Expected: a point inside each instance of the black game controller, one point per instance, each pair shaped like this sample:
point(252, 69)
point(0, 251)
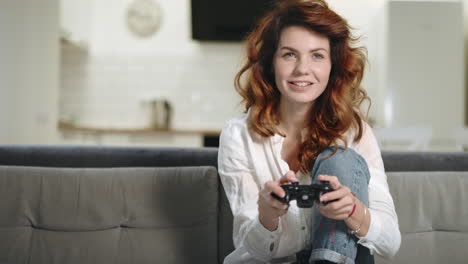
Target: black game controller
point(304, 194)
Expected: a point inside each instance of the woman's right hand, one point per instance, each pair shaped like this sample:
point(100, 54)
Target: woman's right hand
point(269, 208)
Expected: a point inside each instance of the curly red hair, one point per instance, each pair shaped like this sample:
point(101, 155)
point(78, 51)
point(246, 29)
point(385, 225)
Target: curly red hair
point(336, 110)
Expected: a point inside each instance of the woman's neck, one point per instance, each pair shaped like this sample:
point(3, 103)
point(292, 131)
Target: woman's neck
point(293, 118)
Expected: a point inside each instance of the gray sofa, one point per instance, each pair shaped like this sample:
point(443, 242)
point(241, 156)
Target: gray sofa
point(90, 204)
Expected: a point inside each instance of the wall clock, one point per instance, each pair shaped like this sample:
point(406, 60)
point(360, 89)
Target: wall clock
point(144, 17)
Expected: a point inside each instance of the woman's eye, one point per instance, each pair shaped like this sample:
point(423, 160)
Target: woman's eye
point(317, 56)
point(288, 54)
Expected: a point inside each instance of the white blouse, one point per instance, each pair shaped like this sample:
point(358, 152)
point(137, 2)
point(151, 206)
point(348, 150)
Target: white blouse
point(246, 161)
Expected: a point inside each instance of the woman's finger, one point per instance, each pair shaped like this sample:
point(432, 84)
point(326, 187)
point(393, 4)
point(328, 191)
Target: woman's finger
point(273, 187)
point(333, 180)
point(290, 176)
point(335, 195)
point(270, 188)
point(338, 205)
point(339, 209)
point(333, 214)
point(275, 203)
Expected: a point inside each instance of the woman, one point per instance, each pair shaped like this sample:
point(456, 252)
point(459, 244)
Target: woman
point(302, 123)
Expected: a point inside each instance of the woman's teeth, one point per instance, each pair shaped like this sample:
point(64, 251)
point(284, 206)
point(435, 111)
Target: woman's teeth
point(301, 83)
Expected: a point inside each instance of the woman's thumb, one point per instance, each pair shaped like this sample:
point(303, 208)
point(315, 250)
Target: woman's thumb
point(290, 176)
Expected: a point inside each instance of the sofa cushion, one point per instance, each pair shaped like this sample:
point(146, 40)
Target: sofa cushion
point(108, 215)
point(432, 212)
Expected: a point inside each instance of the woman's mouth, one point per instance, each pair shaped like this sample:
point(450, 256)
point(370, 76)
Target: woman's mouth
point(300, 84)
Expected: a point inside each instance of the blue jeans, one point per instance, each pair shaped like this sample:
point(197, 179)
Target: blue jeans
point(331, 238)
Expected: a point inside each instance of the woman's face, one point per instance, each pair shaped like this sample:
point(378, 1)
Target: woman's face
point(302, 65)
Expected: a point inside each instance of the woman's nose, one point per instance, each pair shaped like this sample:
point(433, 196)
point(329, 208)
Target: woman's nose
point(302, 67)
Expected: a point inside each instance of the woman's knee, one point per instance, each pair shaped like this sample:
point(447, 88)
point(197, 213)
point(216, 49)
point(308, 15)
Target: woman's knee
point(344, 162)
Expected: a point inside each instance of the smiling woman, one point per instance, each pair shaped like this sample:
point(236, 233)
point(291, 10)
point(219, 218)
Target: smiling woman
point(303, 124)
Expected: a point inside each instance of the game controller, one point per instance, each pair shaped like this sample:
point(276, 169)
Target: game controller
point(305, 195)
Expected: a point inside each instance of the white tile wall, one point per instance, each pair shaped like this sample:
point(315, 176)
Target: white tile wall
point(113, 90)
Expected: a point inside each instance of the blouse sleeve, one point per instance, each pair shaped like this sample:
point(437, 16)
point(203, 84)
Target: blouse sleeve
point(236, 172)
point(384, 236)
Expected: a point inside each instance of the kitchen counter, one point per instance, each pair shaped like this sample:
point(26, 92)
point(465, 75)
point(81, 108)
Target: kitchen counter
point(81, 134)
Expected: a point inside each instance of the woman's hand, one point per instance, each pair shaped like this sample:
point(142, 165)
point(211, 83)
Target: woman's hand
point(341, 200)
point(269, 208)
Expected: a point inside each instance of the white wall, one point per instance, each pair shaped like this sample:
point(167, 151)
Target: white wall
point(425, 82)
point(111, 36)
point(28, 71)
point(108, 87)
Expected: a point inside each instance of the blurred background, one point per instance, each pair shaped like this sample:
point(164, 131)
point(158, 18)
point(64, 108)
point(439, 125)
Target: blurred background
point(160, 72)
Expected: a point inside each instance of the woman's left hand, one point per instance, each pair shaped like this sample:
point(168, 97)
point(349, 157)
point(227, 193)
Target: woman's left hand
point(341, 200)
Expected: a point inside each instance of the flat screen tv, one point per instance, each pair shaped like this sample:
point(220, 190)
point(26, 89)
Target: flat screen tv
point(225, 20)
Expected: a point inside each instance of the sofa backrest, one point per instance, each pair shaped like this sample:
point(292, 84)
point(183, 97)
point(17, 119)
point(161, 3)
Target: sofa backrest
point(433, 216)
point(117, 157)
point(108, 215)
point(101, 157)
point(429, 191)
